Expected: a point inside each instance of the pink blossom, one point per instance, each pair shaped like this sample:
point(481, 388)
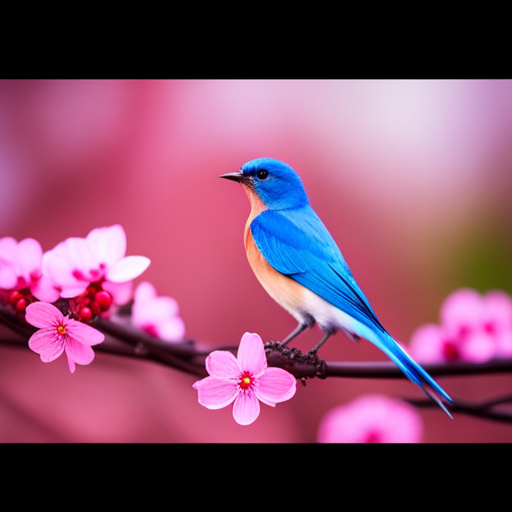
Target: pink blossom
point(20, 263)
point(371, 419)
point(73, 264)
point(58, 333)
point(157, 315)
point(244, 380)
point(473, 327)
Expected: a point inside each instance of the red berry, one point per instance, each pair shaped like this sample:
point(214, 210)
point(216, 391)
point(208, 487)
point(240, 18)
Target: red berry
point(104, 300)
point(21, 304)
point(85, 315)
point(14, 297)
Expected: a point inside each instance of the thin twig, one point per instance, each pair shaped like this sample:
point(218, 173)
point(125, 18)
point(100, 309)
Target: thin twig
point(480, 410)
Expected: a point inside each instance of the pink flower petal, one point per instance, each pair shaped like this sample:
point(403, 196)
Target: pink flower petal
point(8, 246)
point(426, 344)
point(108, 244)
point(172, 330)
point(156, 309)
point(246, 408)
point(479, 347)
point(144, 293)
point(121, 292)
point(462, 308)
point(251, 354)
point(78, 352)
point(156, 314)
point(498, 308)
point(83, 333)
point(8, 275)
point(79, 259)
point(163, 308)
point(42, 314)
point(71, 266)
point(223, 365)
point(68, 292)
point(30, 257)
point(128, 268)
point(371, 418)
point(275, 385)
point(214, 393)
point(504, 344)
point(71, 364)
point(47, 344)
point(45, 289)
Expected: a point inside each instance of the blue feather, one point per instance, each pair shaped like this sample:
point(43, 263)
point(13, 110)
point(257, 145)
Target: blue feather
point(297, 244)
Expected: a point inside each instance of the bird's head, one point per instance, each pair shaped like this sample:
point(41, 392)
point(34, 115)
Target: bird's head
point(275, 183)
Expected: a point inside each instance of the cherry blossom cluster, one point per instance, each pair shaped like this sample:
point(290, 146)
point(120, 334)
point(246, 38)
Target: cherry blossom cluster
point(474, 327)
point(62, 290)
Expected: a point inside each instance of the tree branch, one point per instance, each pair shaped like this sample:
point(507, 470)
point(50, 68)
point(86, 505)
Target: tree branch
point(480, 410)
point(124, 339)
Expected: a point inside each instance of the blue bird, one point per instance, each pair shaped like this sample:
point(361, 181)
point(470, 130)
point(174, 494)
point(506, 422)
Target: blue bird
point(300, 266)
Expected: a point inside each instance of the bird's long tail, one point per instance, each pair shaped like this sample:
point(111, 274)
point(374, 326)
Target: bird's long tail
point(414, 372)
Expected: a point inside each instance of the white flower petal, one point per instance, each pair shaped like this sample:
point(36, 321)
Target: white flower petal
point(128, 268)
point(108, 244)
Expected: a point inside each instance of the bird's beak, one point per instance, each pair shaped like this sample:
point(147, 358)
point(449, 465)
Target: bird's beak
point(234, 176)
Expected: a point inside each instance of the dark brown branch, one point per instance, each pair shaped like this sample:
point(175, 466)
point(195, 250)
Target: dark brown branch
point(481, 410)
point(124, 339)
point(383, 370)
point(304, 365)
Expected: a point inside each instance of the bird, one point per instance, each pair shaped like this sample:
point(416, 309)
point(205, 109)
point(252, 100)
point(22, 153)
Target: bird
point(301, 267)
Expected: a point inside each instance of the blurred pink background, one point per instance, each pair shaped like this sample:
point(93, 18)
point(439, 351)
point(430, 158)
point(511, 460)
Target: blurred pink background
point(413, 179)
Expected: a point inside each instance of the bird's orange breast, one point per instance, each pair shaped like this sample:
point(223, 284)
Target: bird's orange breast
point(285, 291)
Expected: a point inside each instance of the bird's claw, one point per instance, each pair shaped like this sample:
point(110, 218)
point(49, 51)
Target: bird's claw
point(293, 356)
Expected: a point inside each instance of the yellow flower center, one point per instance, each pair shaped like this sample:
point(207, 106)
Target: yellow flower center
point(61, 330)
point(245, 381)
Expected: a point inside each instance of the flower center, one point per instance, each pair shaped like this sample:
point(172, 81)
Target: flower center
point(450, 351)
point(245, 381)
point(91, 303)
point(61, 330)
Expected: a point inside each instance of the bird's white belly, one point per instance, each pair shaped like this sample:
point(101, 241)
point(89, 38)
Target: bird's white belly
point(325, 314)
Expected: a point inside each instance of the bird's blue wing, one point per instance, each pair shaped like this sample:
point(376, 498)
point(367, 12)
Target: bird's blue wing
point(297, 244)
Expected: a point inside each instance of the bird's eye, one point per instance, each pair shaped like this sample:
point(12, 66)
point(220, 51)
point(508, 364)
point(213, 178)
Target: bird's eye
point(262, 174)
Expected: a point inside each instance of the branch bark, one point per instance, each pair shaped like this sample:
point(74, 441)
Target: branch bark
point(124, 339)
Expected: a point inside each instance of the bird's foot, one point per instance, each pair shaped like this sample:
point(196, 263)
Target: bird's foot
point(293, 360)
